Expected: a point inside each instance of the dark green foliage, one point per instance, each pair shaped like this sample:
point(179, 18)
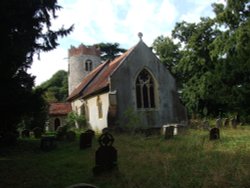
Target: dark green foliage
point(212, 65)
point(56, 88)
point(25, 31)
point(109, 51)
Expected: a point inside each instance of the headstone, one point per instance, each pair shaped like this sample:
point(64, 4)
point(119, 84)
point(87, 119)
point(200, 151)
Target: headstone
point(48, 143)
point(226, 122)
point(206, 125)
point(214, 134)
point(169, 132)
point(25, 133)
point(106, 155)
point(37, 132)
point(234, 123)
point(82, 185)
point(218, 123)
point(86, 139)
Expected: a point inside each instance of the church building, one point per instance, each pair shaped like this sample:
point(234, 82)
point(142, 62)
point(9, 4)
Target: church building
point(134, 83)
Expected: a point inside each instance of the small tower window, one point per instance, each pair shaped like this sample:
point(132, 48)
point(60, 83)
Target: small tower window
point(88, 65)
point(99, 107)
point(145, 90)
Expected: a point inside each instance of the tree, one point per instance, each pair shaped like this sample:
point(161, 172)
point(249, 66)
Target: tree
point(56, 88)
point(232, 48)
point(109, 51)
point(25, 31)
point(169, 54)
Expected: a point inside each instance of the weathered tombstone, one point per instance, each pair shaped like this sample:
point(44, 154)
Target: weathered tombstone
point(86, 139)
point(226, 122)
point(218, 123)
point(82, 185)
point(214, 134)
point(48, 143)
point(37, 132)
point(234, 123)
point(106, 155)
point(169, 132)
point(25, 133)
point(206, 125)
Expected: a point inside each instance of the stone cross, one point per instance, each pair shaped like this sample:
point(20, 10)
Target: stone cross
point(106, 155)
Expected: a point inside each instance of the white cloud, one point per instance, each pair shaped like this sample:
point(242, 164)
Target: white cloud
point(49, 64)
point(112, 21)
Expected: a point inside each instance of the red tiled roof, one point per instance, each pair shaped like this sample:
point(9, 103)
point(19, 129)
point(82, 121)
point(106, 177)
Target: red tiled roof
point(98, 79)
point(59, 108)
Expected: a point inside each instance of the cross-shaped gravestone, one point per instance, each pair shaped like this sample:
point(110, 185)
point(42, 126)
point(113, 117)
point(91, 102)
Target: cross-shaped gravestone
point(214, 134)
point(106, 155)
point(86, 139)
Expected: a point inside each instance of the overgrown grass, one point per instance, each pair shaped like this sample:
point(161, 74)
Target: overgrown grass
point(189, 160)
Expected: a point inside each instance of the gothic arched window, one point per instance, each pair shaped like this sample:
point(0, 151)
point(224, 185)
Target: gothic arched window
point(99, 107)
point(88, 65)
point(145, 90)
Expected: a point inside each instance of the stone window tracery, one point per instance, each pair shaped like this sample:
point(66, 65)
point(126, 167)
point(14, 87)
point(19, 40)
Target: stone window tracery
point(145, 90)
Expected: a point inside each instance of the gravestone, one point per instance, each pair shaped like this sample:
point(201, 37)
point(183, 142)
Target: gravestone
point(37, 132)
point(214, 134)
point(218, 123)
point(106, 155)
point(226, 122)
point(206, 125)
point(169, 132)
point(86, 139)
point(234, 123)
point(25, 133)
point(48, 143)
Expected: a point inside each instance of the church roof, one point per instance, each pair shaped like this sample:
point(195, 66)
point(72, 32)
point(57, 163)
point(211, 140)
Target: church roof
point(59, 108)
point(98, 79)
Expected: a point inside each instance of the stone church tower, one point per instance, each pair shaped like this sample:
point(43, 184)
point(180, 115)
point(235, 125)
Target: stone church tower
point(82, 60)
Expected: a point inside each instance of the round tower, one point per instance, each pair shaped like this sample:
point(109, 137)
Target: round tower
point(82, 60)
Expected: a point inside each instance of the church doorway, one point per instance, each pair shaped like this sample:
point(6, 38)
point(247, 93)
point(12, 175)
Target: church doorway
point(57, 123)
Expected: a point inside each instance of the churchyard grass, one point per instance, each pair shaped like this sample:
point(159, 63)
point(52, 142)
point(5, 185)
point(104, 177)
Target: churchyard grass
point(189, 160)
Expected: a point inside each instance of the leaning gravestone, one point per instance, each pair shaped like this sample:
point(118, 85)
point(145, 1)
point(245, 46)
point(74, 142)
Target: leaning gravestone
point(86, 139)
point(106, 155)
point(218, 123)
point(214, 134)
point(169, 132)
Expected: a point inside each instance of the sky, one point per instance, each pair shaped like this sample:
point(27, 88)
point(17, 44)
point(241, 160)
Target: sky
point(112, 21)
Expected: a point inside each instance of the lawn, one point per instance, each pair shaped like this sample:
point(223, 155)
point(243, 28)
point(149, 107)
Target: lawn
point(188, 160)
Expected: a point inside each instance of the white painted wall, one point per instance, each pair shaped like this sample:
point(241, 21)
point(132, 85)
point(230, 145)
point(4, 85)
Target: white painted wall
point(95, 122)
